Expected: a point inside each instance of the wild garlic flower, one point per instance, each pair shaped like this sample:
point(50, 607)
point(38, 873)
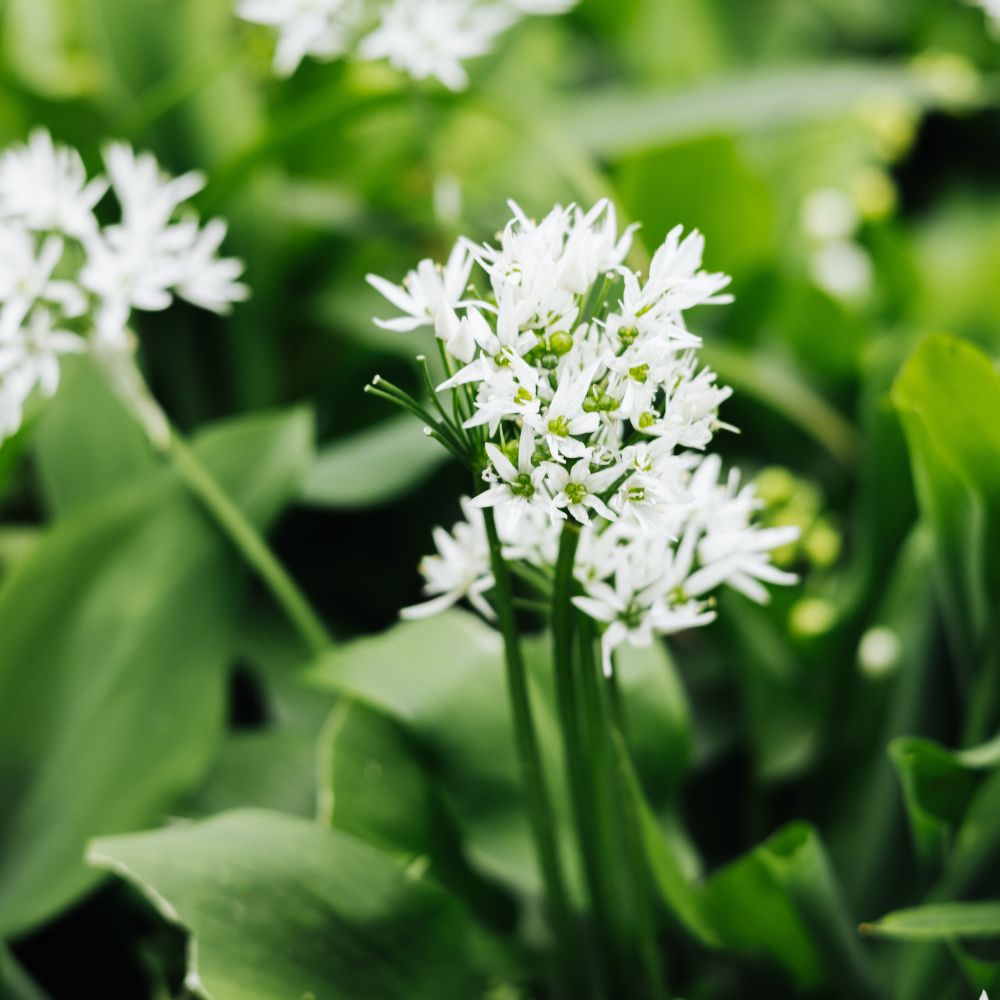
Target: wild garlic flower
point(423, 38)
point(69, 283)
point(582, 401)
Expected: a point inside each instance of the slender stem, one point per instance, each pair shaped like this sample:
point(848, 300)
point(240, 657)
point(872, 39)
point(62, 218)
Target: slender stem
point(539, 803)
point(635, 852)
point(575, 749)
point(250, 544)
point(125, 378)
point(606, 812)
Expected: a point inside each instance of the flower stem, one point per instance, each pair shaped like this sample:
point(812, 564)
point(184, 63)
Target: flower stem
point(579, 763)
point(636, 863)
point(249, 543)
point(539, 803)
point(127, 381)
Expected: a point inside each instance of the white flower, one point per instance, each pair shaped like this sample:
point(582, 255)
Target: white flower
point(68, 284)
point(732, 550)
point(207, 280)
point(579, 489)
point(320, 28)
point(461, 568)
point(564, 419)
point(45, 186)
point(596, 375)
point(424, 38)
point(30, 361)
point(520, 488)
point(426, 291)
point(432, 38)
point(27, 264)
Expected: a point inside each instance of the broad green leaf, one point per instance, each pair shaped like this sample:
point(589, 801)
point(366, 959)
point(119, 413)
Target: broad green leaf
point(782, 899)
point(939, 786)
point(374, 466)
point(376, 785)
point(657, 718)
point(271, 768)
point(87, 444)
point(677, 889)
point(898, 695)
point(16, 541)
point(272, 765)
point(114, 634)
point(279, 907)
point(627, 120)
point(939, 922)
point(973, 857)
point(442, 680)
point(948, 395)
point(712, 189)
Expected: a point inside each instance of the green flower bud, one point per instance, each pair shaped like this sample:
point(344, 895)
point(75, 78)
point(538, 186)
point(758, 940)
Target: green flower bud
point(561, 342)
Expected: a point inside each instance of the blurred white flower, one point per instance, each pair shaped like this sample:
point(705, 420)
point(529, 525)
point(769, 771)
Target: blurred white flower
point(46, 187)
point(593, 373)
point(829, 214)
point(460, 569)
point(423, 38)
point(320, 28)
point(433, 38)
point(426, 292)
point(67, 283)
point(29, 360)
point(843, 269)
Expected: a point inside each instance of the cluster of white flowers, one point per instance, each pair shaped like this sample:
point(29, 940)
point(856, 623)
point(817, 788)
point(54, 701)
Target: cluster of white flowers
point(424, 38)
point(582, 398)
point(69, 283)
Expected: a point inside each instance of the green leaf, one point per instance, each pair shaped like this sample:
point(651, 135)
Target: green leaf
point(948, 395)
point(626, 120)
point(939, 922)
point(87, 444)
point(712, 189)
point(782, 899)
point(374, 466)
point(114, 634)
point(442, 680)
point(377, 785)
point(938, 787)
point(271, 769)
point(279, 907)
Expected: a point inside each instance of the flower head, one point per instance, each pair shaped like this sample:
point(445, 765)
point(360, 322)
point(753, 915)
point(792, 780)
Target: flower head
point(581, 395)
point(422, 38)
point(67, 283)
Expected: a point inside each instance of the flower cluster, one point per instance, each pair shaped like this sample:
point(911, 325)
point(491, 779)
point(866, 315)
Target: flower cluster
point(424, 38)
point(69, 284)
point(583, 402)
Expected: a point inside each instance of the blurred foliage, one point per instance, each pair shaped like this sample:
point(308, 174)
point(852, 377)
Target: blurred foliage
point(802, 768)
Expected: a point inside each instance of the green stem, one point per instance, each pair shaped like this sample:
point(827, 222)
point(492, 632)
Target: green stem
point(250, 544)
point(579, 766)
point(540, 811)
point(635, 852)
